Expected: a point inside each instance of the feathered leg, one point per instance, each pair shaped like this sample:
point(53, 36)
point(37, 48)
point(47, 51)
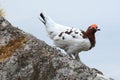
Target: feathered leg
point(70, 54)
point(76, 56)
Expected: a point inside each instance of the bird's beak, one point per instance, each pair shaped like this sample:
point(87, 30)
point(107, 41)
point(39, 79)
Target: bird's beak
point(98, 29)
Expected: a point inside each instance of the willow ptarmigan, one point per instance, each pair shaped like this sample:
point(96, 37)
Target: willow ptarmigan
point(70, 39)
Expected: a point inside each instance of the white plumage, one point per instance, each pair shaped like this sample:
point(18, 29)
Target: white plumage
point(70, 39)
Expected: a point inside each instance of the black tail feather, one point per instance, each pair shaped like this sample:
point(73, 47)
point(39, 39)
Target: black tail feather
point(43, 18)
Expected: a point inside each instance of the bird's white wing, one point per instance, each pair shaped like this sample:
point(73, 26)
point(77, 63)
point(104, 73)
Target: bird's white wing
point(68, 36)
point(72, 40)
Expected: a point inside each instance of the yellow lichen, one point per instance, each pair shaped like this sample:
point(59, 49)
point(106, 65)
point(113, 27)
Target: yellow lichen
point(6, 51)
point(2, 13)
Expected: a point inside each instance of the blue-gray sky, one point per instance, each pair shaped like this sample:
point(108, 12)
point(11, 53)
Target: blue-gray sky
point(75, 13)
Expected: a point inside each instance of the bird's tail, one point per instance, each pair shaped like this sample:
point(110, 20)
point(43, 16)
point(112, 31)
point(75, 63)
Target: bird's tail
point(42, 19)
point(45, 19)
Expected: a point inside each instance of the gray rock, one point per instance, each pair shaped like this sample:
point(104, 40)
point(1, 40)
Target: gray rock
point(24, 57)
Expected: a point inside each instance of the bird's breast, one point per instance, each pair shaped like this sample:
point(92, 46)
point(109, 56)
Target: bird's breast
point(76, 45)
point(82, 45)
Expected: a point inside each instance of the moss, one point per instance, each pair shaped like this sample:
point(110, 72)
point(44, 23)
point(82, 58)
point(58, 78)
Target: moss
point(7, 50)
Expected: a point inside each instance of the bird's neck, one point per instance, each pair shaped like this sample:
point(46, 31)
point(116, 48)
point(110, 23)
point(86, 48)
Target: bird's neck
point(91, 36)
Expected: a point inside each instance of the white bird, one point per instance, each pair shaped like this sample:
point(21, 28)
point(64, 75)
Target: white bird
point(70, 39)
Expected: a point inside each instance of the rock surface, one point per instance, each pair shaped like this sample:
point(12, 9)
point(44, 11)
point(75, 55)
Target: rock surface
point(24, 57)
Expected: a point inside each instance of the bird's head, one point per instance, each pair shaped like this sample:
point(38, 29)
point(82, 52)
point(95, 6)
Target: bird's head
point(93, 28)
